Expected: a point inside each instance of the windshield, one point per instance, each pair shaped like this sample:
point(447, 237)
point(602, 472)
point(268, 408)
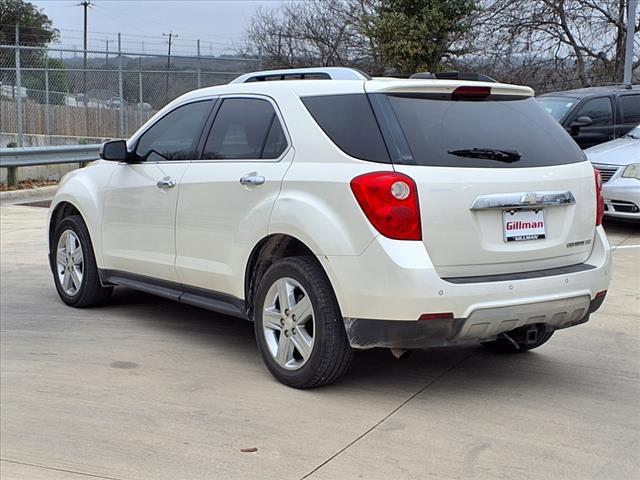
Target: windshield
point(557, 107)
point(489, 134)
point(634, 133)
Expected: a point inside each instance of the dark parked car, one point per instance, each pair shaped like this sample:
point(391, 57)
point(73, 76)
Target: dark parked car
point(595, 115)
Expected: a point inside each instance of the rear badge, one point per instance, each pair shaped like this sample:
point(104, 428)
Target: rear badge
point(578, 244)
point(519, 225)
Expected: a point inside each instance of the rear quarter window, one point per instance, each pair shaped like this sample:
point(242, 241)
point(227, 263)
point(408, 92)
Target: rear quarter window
point(433, 127)
point(349, 122)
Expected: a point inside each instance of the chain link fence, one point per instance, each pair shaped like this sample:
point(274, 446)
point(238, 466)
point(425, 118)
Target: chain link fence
point(54, 96)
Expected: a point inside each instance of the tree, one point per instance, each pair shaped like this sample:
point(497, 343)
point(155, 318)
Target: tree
point(565, 43)
point(316, 33)
point(36, 28)
point(548, 44)
point(34, 81)
point(415, 35)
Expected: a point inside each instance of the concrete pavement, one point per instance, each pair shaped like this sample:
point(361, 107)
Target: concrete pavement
point(149, 389)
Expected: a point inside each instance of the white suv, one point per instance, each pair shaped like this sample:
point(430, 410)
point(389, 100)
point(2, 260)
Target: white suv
point(341, 212)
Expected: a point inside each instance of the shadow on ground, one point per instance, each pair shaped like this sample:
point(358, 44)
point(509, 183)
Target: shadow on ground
point(375, 368)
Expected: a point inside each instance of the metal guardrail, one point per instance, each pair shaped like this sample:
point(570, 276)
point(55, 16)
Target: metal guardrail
point(29, 156)
point(12, 158)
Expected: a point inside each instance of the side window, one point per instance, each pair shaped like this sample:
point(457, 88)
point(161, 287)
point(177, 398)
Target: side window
point(630, 108)
point(245, 128)
point(599, 110)
point(175, 136)
point(349, 122)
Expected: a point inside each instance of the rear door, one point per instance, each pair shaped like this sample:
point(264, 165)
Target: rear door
point(497, 214)
point(628, 113)
point(227, 196)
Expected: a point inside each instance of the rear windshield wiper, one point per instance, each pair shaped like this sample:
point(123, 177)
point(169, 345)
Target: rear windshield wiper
point(508, 156)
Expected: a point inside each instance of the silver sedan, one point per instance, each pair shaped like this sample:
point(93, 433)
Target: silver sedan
point(619, 164)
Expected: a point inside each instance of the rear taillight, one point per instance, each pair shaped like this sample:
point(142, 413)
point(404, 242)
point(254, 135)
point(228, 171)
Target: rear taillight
point(390, 202)
point(599, 200)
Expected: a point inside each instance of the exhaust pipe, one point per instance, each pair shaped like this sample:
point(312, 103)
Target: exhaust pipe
point(400, 353)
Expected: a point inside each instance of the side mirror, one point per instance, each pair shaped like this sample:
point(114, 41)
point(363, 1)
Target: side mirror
point(583, 121)
point(114, 150)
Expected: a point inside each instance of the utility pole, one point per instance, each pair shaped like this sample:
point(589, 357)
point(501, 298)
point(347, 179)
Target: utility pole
point(85, 4)
point(171, 36)
point(628, 54)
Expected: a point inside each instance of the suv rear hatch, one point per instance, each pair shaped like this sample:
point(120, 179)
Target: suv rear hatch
point(502, 187)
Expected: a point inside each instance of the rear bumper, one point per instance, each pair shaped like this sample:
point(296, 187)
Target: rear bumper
point(384, 291)
point(482, 325)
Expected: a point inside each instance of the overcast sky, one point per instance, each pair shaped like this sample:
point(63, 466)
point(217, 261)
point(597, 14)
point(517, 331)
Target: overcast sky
point(219, 23)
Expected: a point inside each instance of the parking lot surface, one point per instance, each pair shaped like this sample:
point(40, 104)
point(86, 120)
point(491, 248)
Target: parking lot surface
point(149, 389)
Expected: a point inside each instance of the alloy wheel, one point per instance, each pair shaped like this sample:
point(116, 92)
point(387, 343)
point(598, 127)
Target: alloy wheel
point(69, 262)
point(288, 323)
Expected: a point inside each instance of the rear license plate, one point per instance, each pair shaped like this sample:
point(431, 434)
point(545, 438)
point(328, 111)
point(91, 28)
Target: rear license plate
point(518, 225)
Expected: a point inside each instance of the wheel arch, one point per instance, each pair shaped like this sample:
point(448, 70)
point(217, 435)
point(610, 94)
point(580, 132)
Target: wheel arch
point(61, 210)
point(268, 250)
point(83, 203)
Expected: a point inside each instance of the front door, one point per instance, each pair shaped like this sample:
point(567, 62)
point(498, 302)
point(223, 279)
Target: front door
point(226, 198)
point(602, 128)
point(138, 222)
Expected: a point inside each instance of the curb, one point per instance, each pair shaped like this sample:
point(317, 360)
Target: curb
point(27, 194)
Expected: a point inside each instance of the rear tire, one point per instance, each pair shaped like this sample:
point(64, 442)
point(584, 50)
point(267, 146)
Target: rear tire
point(517, 341)
point(73, 265)
point(302, 339)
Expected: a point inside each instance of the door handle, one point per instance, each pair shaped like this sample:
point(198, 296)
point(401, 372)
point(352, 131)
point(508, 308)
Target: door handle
point(166, 183)
point(252, 179)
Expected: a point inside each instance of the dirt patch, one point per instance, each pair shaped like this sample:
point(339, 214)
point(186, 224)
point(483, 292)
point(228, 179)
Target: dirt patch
point(27, 184)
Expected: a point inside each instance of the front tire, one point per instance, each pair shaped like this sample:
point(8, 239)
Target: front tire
point(298, 325)
point(73, 265)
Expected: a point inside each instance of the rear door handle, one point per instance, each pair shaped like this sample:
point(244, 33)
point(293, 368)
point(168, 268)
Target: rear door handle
point(166, 183)
point(252, 179)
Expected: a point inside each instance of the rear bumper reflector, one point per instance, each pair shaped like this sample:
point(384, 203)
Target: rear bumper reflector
point(436, 316)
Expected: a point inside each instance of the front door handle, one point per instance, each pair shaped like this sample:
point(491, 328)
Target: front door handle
point(252, 179)
point(166, 183)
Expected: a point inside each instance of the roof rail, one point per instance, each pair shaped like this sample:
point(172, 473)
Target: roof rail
point(321, 73)
point(471, 76)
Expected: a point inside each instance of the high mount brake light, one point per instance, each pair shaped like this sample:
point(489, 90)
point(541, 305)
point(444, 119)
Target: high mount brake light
point(599, 199)
point(478, 93)
point(389, 200)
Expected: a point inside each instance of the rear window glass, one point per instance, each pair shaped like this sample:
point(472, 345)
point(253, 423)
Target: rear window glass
point(433, 128)
point(349, 122)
